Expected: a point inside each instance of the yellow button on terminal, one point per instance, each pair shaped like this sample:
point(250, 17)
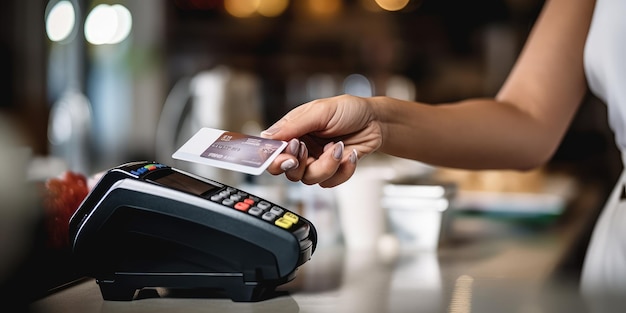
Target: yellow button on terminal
point(291, 217)
point(284, 223)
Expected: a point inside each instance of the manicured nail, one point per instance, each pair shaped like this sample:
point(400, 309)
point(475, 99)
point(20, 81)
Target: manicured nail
point(354, 156)
point(303, 150)
point(338, 152)
point(270, 131)
point(294, 146)
point(328, 145)
point(288, 165)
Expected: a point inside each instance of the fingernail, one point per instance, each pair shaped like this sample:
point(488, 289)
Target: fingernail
point(328, 145)
point(354, 156)
point(294, 145)
point(338, 152)
point(288, 165)
point(303, 150)
point(270, 131)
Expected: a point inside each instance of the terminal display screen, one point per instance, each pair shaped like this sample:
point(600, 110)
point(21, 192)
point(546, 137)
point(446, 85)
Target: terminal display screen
point(184, 183)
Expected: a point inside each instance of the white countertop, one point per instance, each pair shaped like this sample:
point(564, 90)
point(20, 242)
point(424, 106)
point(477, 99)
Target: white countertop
point(499, 276)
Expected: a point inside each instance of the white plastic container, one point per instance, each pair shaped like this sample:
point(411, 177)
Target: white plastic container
point(417, 213)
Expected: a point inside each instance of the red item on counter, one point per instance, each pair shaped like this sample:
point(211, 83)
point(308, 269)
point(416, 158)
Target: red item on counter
point(62, 196)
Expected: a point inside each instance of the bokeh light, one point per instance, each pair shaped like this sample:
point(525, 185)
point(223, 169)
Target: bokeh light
point(100, 24)
point(124, 24)
point(392, 5)
point(241, 8)
point(358, 85)
point(400, 87)
point(60, 21)
point(272, 8)
point(108, 24)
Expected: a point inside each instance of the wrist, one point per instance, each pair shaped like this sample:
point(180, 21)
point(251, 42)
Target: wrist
point(385, 112)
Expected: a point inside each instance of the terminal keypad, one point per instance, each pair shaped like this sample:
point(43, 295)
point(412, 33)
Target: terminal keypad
point(252, 205)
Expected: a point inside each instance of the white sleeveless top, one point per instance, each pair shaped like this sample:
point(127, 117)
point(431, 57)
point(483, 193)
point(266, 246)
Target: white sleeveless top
point(604, 270)
point(605, 63)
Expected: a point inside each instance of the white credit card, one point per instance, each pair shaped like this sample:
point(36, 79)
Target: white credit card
point(230, 150)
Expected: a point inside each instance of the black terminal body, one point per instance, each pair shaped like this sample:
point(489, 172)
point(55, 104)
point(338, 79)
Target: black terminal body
point(146, 224)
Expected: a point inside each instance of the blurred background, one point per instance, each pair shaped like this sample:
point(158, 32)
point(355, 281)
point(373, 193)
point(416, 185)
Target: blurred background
point(124, 72)
point(125, 68)
point(88, 85)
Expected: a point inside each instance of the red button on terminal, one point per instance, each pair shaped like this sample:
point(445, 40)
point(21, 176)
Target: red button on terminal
point(241, 206)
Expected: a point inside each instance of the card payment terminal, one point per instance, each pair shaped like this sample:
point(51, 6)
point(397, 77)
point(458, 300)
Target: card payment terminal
point(146, 225)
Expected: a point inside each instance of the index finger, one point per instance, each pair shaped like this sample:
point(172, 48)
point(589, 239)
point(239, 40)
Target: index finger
point(307, 118)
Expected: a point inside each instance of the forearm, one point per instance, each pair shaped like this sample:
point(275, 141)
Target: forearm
point(523, 128)
point(473, 134)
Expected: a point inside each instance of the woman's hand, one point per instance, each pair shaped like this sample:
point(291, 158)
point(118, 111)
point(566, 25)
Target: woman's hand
point(326, 138)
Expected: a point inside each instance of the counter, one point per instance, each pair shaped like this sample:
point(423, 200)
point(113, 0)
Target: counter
point(499, 274)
